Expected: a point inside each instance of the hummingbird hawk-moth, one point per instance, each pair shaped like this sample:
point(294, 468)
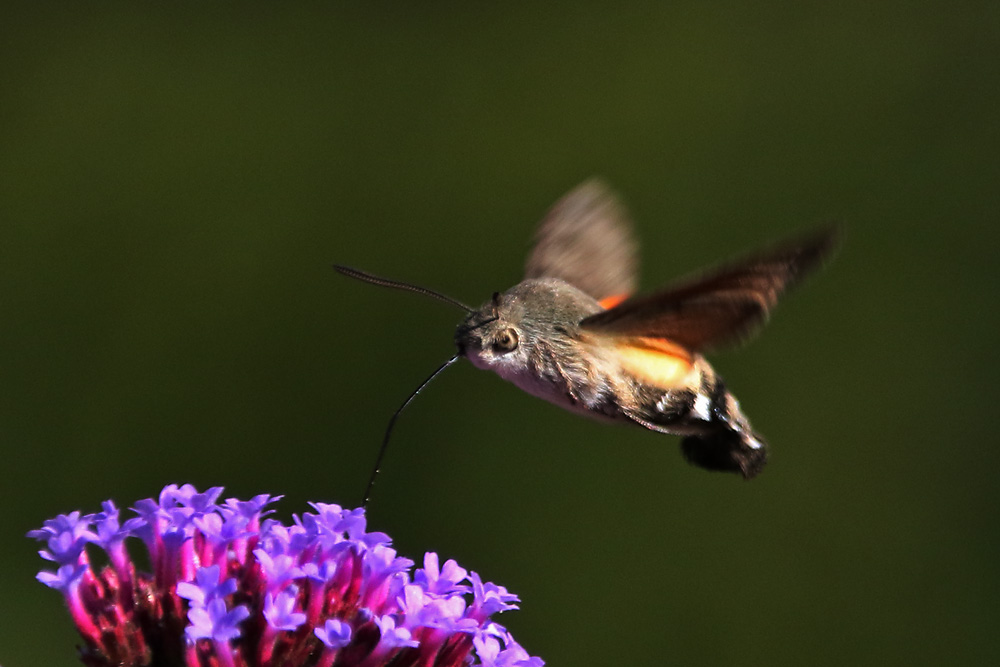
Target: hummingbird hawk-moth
point(572, 333)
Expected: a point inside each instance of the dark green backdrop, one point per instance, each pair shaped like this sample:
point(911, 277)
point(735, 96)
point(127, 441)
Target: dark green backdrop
point(175, 183)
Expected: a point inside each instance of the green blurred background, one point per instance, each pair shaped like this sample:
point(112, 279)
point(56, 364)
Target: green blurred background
point(175, 183)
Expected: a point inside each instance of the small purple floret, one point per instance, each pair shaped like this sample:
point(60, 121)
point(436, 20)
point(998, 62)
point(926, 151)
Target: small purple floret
point(491, 653)
point(64, 578)
point(206, 587)
point(66, 536)
point(280, 611)
point(215, 621)
point(393, 637)
point(334, 633)
point(442, 581)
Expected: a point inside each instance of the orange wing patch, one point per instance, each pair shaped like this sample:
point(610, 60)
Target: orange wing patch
point(656, 361)
point(609, 302)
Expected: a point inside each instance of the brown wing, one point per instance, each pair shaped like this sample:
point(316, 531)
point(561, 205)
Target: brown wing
point(724, 306)
point(586, 240)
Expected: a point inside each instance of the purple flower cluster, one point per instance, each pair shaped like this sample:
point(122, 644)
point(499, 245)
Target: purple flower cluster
point(230, 588)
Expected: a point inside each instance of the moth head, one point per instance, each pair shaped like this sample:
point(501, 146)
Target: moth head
point(494, 336)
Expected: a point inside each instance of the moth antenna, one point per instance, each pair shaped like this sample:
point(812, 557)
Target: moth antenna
point(395, 284)
point(392, 422)
point(488, 320)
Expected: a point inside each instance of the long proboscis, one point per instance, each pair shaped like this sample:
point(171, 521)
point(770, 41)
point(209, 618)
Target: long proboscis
point(392, 422)
point(395, 284)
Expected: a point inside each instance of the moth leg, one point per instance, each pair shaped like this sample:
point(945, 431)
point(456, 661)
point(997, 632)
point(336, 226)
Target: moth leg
point(545, 364)
point(676, 406)
point(645, 423)
point(567, 381)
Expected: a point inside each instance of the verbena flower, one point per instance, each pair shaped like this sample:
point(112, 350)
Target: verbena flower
point(230, 588)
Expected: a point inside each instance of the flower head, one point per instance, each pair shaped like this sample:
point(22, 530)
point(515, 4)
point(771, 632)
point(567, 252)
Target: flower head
point(228, 587)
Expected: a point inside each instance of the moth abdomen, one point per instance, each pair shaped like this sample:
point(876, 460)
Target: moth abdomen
point(716, 434)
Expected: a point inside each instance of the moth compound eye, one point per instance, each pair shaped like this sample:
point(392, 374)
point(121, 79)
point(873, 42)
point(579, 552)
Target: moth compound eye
point(506, 341)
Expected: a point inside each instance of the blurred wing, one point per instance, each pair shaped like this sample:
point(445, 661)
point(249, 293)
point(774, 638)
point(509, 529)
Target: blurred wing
point(586, 240)
point(722, 307)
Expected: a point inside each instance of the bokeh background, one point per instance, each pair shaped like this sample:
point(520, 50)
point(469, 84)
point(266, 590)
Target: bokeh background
point(175, 183)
